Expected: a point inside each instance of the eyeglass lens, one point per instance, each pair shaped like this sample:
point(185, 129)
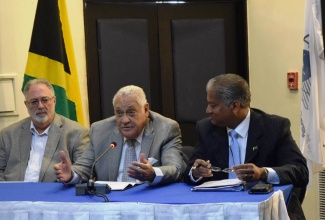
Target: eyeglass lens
point(44, 101)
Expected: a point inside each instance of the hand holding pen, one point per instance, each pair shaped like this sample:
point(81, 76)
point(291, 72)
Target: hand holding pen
point(207, 165)
point(201, 168)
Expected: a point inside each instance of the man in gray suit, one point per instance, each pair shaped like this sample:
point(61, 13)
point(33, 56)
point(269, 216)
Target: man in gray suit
point(158, 156)
point(266, 150)
point(30, 148)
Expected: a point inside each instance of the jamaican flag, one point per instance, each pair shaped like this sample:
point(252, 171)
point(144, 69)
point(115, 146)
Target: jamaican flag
point(51, 57)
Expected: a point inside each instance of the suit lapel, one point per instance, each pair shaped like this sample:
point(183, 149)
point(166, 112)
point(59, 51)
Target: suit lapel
point(255, 133)
point(114, 156)
point(221, 146)
point(51, 145)
point(25, 142)
point(147, 138)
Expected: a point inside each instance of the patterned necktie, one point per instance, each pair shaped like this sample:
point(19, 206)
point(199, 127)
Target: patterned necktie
point(129, 157)
point(234, 152)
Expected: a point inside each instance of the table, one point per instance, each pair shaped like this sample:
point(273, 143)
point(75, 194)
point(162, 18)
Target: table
point(20, 201)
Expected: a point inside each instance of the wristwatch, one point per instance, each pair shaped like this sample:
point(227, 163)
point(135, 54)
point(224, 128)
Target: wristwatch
point(266, 174)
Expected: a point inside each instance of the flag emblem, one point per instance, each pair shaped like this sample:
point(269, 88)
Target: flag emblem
point(51, 57)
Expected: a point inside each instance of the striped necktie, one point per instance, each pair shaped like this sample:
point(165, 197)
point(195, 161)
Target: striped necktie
point(129, 157)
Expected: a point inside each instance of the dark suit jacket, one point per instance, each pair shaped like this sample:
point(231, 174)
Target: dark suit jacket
point(15, 146)
point(269, 144)
point(161, 140)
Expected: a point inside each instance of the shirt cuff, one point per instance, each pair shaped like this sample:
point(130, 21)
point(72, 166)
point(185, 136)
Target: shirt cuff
point(75, 179)
point(193, 178)
point(159, 176)
point(272, 176)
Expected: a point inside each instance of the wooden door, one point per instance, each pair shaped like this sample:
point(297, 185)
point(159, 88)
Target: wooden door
point(170, 50)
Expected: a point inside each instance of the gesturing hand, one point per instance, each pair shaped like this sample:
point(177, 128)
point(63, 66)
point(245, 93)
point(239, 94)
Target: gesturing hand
point(142, 170)
point(63, 169)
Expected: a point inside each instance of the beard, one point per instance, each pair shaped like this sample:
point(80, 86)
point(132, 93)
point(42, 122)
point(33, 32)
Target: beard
point(40, 119)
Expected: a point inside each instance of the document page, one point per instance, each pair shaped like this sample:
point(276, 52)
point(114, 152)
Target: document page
point(221, 185)
point(118, 185)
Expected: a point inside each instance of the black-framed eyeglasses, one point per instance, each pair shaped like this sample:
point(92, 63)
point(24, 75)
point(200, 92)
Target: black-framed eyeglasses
point(35, 102)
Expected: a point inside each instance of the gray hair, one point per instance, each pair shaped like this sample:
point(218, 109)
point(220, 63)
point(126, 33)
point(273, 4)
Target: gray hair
point(133, 91)
point(38, 81)
point(230, 87)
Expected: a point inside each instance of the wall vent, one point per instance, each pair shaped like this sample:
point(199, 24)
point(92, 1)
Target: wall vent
point(322, 195)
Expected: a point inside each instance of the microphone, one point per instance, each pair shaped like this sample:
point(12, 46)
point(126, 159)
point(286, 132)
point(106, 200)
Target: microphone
point(90, 188)
point(91, 177)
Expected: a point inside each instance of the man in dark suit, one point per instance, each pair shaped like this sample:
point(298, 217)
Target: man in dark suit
point(158, 156)
point(266, 149)
point(30, 148)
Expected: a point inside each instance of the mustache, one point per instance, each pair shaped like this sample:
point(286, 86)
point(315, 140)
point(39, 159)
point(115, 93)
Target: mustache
point(40, 111)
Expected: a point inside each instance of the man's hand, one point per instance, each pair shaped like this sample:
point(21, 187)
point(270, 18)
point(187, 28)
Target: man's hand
point(249, 172)
point(142, 170)
point(201, 168)
point(63, 169)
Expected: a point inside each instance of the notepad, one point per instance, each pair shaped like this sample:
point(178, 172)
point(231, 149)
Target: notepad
point(221, 185)
point(118, 185)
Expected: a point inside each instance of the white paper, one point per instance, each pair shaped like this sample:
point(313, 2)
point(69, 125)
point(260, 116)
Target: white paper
point(118, 185)
point(221, 185)
point(152, 160)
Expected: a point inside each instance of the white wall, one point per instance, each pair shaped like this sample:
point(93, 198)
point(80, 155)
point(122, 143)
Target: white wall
point(276, 31)
point(275, 47)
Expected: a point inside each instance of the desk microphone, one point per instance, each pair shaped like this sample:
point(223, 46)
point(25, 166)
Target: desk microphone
point(90, 188)
point(91, 178)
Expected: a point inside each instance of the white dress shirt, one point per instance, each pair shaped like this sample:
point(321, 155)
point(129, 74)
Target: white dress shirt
point(36, 154)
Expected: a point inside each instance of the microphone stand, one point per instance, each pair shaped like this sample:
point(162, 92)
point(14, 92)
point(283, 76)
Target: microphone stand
point(92, 188)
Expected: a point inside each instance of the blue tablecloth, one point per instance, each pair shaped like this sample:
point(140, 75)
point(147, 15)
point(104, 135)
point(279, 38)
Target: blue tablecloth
point(43, 201)
point(177, 193)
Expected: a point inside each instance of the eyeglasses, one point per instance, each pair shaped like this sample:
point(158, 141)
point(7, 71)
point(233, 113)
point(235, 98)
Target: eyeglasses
point(35, 102)
point(218, 169)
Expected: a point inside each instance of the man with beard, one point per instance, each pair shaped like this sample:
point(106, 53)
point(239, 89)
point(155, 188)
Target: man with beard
point(30, 148)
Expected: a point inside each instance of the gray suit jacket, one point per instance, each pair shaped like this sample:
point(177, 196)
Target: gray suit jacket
point(15, 146)
point(161, 140)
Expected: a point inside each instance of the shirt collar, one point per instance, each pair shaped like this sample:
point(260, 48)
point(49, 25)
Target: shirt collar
point(242, 128)
point(35, 132)
point(139, 138)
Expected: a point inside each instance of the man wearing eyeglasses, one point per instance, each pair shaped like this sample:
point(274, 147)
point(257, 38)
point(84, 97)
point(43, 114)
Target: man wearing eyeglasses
point(30, 148)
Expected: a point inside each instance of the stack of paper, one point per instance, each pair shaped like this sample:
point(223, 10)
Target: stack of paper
point(221, 185)
point(118, 185)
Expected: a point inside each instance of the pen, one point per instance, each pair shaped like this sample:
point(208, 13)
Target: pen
point(196, 167)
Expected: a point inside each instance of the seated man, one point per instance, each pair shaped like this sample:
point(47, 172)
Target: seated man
point(262, 149)
point(152, 141)
point(30, 148)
